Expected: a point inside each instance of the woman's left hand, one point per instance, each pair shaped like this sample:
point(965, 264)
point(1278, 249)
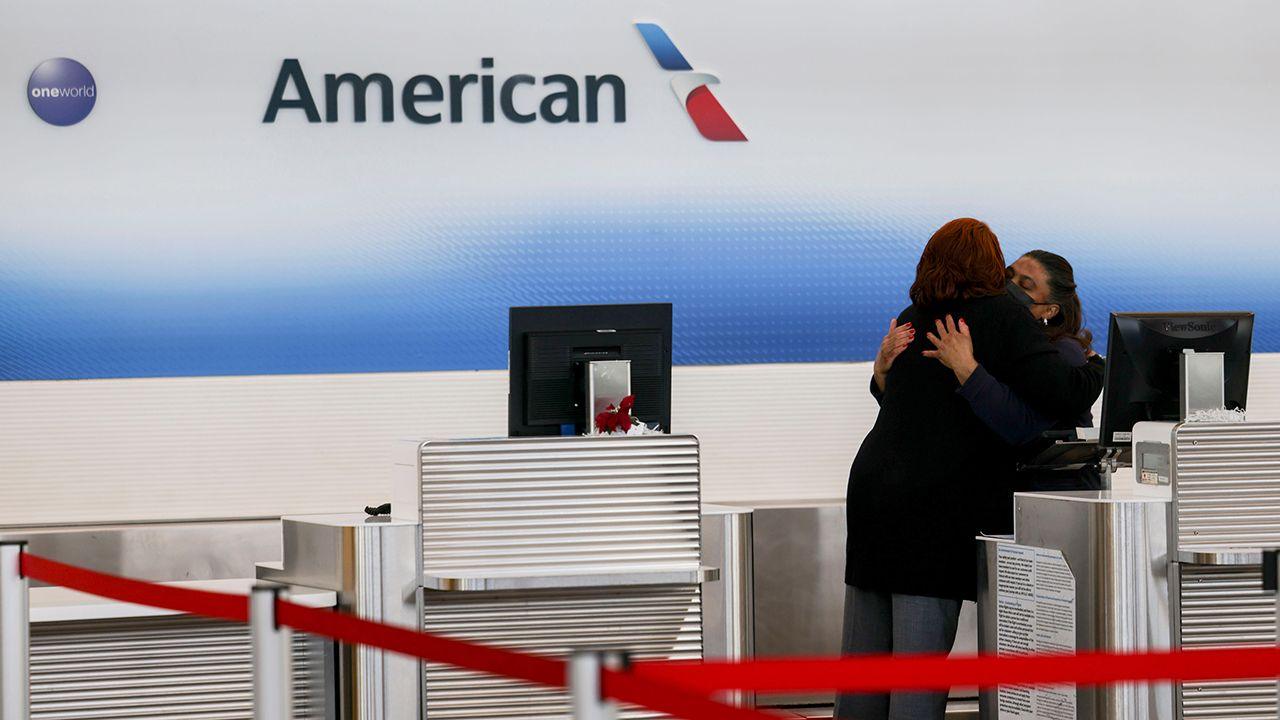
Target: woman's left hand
point(954, 348)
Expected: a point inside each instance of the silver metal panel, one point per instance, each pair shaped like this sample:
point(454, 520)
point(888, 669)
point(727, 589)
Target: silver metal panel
point(1220, 556)
point(1226, 485)
point(604, 577)
point(798, 559)
point(728, 607)
point(159, 552)
point(1219, 607)
point(165, 668)
point(597, 514)
point(799, 579)
point(1226, 492)
point(374, 566)
point(799, 586)
point(1117, 548)
point(650, 623)
point(560, 505)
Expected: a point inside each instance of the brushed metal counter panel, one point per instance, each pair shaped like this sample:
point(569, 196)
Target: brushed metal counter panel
point(1226, 485)
point(584, 511)
point(1226, 491)
point(373, 566)
point(170, 668)
point(655, 623)
point(1221, 606)
point(159, 552)
point(799, 557)
point(1117, 549)
point(728, 608)
point(560, 505)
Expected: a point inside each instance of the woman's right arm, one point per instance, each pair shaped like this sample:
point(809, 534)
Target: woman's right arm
point(995, 404)
point(1000, 409)
point(1036, 372)
point(1023, 359)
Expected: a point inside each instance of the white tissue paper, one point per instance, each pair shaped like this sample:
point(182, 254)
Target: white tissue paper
point(636, 429)
point(1216, 416)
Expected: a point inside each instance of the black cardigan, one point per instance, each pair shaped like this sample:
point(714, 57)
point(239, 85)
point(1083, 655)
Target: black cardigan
point(930, 475)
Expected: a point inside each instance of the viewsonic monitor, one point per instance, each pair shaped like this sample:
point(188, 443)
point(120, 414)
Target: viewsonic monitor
point(1143, 351)
point(549, 347)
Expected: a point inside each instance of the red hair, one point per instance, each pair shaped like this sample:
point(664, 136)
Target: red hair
point(962, 260)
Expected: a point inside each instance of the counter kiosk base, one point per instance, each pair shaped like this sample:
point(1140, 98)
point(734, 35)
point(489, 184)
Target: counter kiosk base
point(549, 545)
point(1169, 557)
point(1084, 571)
point(372, 565)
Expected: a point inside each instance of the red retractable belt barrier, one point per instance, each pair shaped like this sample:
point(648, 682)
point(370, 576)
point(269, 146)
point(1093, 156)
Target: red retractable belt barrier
point(939, 672)
point(223, 606)
point(682, 688)
point(672, 700)
point(352, 630)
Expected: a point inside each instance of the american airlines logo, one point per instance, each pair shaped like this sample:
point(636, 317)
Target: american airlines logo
point(692, 89)
point(519, 97)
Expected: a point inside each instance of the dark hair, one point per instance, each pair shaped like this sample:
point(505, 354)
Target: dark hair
point(1069, 322)
point(962, 260)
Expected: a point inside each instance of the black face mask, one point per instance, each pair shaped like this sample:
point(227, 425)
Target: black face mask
point(1019, 294)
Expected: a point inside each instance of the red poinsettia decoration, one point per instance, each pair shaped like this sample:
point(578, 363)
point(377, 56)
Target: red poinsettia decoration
point(617, 418)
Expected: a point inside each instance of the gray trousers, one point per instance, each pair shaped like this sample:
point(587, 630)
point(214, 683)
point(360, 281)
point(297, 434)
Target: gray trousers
point(878, 623)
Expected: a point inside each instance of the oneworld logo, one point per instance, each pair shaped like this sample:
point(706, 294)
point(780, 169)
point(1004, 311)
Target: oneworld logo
point(692, 88)
point(61, 91)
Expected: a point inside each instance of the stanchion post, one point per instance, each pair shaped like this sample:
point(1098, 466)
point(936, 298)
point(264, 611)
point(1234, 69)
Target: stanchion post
point(272, 661)
point(586, 696)
point(15, 635)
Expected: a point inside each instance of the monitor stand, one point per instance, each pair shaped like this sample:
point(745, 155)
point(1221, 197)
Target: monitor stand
point(1110, 462)
point(607, 382)
point(1202, 382)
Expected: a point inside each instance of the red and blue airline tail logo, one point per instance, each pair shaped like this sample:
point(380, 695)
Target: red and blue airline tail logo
point(692, 89)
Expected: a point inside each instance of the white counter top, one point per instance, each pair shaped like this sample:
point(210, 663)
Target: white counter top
point(56, 604)
point(1122, 495)
point(349, 520)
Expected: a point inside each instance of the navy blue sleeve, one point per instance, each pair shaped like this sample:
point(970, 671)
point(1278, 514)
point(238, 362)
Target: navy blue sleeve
point(1029, 363)
point(1071, 351)
point(1000, 409)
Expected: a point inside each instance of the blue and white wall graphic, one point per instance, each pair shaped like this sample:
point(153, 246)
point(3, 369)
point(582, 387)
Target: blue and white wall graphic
point(205, 315)
point(173, 233)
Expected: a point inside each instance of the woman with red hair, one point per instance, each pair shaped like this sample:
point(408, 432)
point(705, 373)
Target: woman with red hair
point(930, 475)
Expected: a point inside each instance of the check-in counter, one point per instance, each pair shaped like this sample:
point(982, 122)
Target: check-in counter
point(1084, 571)
point(371, 566)
point(1169, 558)
point(548, 545)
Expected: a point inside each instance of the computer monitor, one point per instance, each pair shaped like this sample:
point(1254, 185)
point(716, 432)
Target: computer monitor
point(549, 347)
point(1142, 375)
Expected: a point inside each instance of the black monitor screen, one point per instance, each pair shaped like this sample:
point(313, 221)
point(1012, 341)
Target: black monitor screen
point(550, 345)
point(1143, 351)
